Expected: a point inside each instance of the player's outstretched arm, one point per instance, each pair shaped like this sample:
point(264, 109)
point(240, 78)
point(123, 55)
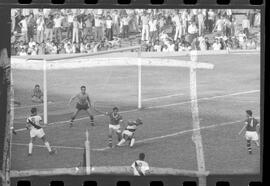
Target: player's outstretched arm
point(72, 99)
point(89, 101)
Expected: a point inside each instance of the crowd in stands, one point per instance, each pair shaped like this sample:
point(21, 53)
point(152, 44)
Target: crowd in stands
point(60, 31)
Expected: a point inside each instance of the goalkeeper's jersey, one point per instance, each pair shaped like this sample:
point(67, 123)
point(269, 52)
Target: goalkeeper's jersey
point(34, 122)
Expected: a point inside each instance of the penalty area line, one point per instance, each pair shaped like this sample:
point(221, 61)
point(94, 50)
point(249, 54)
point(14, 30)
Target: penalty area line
point(162, 97)
point(176, 133)
point(158, 106)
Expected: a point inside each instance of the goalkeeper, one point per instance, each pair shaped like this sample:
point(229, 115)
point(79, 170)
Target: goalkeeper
point(128, 133)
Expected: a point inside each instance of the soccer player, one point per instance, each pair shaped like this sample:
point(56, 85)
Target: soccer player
point(140, 167)
point(128, 133)
point(251, 125)
point(34, 125)
point(114, 125)
point(83, 103)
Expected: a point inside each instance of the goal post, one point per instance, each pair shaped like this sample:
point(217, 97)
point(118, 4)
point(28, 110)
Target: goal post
point(193, 65)
point(45, 92)
point(87, 153)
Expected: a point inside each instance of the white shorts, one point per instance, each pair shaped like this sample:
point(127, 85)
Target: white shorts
point(252, 135)
point(116, 128)
point(128, 133)
point(37, 132)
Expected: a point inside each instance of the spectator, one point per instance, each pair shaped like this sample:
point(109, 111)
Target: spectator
point(192, 32)
point(125, 24)
point(109, 31)
point(23, 52)
point(200, 18)
point(75, 31)
point(24, 28)
point(40, 28)
point(152, 29)
point(98, 28)
point(217, 45)
point(246, 26)
point(49, 28)
point(37, 96)
point(157, 46)
point(30, 26)
point(145, 27)
point(88, 21)
point(70, 19)
point(219, 27)
point(116, 23)
point(211, 20)
point(57, 27)
point(161, 29)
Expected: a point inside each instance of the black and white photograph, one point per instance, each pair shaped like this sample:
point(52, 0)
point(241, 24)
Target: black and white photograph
point(135, 91)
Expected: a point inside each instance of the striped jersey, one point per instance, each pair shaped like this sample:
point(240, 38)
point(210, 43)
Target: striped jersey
point(34, 122)
point(251, 123)
point(140, 168)
point(132, 126)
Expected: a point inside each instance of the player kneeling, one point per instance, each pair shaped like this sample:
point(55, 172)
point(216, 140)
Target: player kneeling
point(33, 124)
point(128, 133)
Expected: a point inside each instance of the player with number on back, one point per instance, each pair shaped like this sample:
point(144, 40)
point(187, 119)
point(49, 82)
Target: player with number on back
point(128, 133)
point(83, 103)
point(34, 125)
point(114, 126)
point(251, 125)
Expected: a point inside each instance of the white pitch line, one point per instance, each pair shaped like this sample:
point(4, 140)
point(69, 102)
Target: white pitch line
point(249, 53)
point(205, 98)
point(56, 146)
point(158, 106)
point(144, 140)
point(177, 133)
point(161, 97)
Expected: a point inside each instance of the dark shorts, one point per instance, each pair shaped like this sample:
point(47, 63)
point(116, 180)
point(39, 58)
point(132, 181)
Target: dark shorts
point(82, 107)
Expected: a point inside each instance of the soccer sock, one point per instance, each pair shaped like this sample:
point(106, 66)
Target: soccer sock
point(132, 142)
point(30, 148)
point(121, 142)
point(110, 140)
point(249, 146)
point(72, 119)
point(92, 119)
point(119, 137)
point(48, 146)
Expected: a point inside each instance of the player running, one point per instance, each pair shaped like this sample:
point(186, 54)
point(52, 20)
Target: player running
point(251, 125)
point(114, 126)
point(83, 103)
point(34, 125)
point(128, 133)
